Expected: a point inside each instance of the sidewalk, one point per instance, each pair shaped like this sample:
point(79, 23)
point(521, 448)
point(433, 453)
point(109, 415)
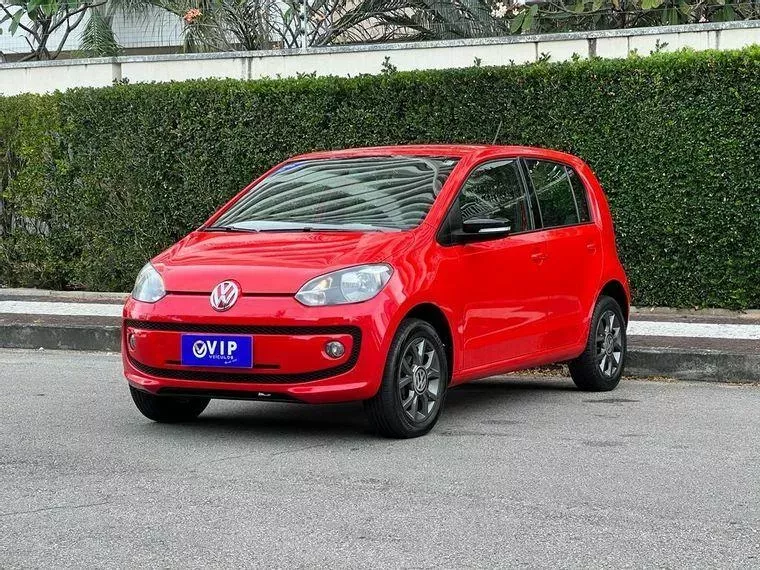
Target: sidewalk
point(711, 345)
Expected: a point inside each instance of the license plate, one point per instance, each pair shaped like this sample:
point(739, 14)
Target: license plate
point(227, 351)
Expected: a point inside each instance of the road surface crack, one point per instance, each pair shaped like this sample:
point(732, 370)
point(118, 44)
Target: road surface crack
point(55, 508)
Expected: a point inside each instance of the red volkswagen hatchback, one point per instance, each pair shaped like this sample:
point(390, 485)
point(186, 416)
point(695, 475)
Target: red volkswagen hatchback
point(386, 275)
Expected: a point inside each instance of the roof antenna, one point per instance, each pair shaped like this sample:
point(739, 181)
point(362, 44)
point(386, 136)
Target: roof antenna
point(498, 130)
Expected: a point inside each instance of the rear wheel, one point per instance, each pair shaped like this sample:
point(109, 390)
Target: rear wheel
point(168, 409)
point(601, 365)
point(414, 385)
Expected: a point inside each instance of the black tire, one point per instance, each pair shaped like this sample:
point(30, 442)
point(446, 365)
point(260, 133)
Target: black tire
point(168, 409)
point(414, 416)
point(597, 370)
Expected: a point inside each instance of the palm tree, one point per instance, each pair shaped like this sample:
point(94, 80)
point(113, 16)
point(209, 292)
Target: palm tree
point(229, 25)
point(98, 38)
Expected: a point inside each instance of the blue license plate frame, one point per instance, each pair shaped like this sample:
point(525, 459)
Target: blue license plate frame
point(216, 350)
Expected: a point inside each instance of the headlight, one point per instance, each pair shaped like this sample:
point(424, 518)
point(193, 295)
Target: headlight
point(149, 286)
point(352, 285)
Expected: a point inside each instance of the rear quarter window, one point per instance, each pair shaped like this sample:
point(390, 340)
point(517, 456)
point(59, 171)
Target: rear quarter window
point(581, 195)
point(560, 193)
point(553, 192)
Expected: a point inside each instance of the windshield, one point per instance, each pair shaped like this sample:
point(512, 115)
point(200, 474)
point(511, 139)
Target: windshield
point(346, 194)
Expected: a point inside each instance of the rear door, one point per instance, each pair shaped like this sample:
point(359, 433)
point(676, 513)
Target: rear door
point(573, 266)
point(501, 296)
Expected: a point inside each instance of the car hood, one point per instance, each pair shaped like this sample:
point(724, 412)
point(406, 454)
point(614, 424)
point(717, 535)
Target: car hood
point(270, 262)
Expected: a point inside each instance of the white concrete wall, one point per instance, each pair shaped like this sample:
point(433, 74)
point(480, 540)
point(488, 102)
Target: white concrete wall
point(22, 79)
point(41, 77)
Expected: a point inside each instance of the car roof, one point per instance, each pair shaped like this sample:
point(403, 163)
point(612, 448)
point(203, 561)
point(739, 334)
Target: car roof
point(439, 150)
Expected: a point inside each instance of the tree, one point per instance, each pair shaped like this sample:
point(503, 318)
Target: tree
point(235, 25)
point(40, 19)
point(547, 16)
point(46, 21)
point(256, 24)
point(225, 25)
point(442, 19)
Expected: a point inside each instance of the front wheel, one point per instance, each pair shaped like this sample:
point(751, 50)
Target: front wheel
point(168, 409)
point(414, 384)
point(601, 365)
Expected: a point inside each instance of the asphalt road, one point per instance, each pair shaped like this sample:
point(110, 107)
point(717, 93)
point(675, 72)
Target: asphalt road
point(519, 472)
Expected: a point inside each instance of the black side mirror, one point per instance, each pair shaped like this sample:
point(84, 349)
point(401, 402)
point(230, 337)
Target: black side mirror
point(479, 229)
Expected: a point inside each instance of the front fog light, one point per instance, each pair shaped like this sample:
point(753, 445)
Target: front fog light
point(335, 349)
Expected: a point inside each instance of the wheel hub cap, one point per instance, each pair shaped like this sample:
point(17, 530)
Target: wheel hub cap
point(420, 380)
point(609, 343)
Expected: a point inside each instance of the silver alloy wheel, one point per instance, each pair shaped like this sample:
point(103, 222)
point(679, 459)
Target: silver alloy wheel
point(419, 379)
point(609, 344)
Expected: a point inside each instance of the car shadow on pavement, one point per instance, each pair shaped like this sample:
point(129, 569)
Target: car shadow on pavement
point(467, 403)
point(503, 390)
point(285, 419)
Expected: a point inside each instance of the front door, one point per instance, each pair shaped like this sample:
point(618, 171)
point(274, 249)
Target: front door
point(502, 296)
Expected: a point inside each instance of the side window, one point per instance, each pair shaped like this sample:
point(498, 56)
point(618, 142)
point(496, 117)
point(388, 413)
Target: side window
point(554, 193)
point(579, 190)
point(495, 191)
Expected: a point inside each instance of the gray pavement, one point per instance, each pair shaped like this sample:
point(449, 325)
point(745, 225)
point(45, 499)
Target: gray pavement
point(522, 471)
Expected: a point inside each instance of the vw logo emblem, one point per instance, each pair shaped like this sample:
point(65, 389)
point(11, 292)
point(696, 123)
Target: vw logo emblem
point(420, 380)
point(225, 295)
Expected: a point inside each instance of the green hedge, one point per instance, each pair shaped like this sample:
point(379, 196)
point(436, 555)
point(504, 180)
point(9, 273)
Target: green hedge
point(122, 172)
point(28, 159)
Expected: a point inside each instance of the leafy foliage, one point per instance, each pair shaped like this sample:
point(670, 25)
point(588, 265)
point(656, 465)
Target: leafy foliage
point(28, 158)
point(98, 39)
point(229, 25)
point(223, 25)
point(444, 19)
point(580, 15)
point(244, 25)
point(48, 24)
point(40, 19)
point(119, 173)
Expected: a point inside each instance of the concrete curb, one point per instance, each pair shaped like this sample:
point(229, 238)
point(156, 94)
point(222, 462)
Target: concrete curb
point(61, 337)
point(749, 314)
point(682, 364)
point(20, 294)
point(694, 364)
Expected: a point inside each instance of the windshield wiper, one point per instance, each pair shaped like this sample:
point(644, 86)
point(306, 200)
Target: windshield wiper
point(228, 229)
point(294, 229)
point(309, 229)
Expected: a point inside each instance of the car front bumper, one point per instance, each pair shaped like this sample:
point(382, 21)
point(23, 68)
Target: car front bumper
point(289, 360)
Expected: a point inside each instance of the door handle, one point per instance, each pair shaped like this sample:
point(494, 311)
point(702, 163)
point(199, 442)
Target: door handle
point(538, 257)
point(591, 247)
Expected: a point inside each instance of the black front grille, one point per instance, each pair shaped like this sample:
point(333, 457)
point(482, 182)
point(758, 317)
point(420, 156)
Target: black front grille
point(176, 374)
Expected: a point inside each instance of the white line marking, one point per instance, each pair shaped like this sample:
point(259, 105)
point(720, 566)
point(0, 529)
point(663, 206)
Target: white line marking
point(693, 330)
point(65, 309)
